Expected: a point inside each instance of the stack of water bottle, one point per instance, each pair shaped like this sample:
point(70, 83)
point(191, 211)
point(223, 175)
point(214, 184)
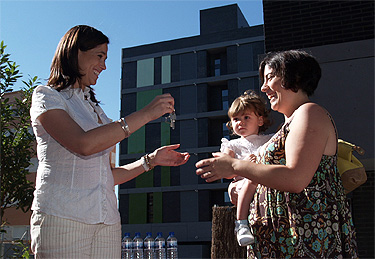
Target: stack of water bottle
point(149, 248)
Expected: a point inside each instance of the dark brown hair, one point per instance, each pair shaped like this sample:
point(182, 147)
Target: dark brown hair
point(250, 101)
point(297, 69)
point(64, 68)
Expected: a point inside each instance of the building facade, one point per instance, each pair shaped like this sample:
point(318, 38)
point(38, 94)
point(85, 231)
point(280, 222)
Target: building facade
point(204, 74)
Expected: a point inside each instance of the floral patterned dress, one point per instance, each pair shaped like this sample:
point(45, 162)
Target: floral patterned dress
point(315, 223)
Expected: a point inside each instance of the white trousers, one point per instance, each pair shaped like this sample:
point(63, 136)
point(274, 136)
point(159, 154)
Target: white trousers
point(54, 237)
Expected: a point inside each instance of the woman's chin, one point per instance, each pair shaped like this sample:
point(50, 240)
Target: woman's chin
point(274, 106)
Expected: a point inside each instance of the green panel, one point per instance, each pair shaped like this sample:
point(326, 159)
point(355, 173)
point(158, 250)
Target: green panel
point(145, 180)
point(165, 69)
point(138, 208)
point(165, 140)
point(145, 72)
point(165, 134)
point(158, 207)
point(145, 97)
point(137, 141)
point(165, 176)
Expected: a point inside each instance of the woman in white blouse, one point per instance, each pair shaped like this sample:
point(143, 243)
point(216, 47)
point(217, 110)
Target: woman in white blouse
point(75, 211)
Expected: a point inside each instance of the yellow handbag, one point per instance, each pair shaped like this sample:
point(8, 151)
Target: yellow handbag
point(352, 171)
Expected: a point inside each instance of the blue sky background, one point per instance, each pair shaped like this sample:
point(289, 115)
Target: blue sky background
point(32, 29)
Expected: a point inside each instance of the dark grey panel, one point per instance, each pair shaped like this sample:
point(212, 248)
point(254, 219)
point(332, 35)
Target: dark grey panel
point(188, 66)
point(188, 136)
point(157, 71)
point(188, 99)
point(171, 207)
point(245, 58)
point(189, 210)
point(129, 75)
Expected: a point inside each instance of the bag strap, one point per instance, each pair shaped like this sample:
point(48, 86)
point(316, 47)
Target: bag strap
point(353, 147)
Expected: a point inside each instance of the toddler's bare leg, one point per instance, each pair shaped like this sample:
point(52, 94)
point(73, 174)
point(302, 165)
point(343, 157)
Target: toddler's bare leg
point(245, 196)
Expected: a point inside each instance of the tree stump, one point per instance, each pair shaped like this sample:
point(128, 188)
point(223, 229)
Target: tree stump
point(224, 241)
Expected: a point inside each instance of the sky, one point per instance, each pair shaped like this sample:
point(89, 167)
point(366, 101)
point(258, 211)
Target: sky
point(32, 29)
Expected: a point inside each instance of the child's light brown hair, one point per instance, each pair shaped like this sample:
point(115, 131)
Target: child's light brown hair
point(250, 101)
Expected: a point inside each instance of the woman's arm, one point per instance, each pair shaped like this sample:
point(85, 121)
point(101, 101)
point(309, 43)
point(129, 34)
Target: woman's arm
point(163, 156)
point(69, 134)
point(311, 135)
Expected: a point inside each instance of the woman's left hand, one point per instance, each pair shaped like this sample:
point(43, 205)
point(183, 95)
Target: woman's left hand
point(218, 167)
point(167, 156)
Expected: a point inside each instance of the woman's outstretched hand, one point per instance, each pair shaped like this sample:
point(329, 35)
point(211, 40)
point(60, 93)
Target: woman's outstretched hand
point(218, 167)
point(167, 156)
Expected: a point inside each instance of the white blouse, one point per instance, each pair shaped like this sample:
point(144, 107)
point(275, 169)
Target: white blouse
point(70, 185)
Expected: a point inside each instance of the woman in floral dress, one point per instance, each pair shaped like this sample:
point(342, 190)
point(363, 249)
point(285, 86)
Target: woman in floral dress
point(300, 208)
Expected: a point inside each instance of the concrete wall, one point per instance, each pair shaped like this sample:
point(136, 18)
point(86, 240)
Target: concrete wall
point(346, 90)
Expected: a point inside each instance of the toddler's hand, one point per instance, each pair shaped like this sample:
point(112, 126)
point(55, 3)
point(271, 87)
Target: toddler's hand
point(251, 158)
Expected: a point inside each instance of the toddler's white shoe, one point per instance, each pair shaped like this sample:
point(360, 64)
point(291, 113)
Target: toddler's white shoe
point(244, 236)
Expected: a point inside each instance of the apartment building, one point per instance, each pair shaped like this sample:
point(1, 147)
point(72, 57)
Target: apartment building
point(204, 74)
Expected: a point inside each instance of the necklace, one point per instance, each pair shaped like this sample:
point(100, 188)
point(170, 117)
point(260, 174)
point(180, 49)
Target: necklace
point(93, 107)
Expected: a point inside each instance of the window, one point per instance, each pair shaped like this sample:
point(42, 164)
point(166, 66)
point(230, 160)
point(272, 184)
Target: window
point(216, 61)
point(226, 131)
point(217, 98)
point(225, 101)
point(217, 66)
point(150, 207)
point(165, 69)
point(216, 130)
point(145, 72)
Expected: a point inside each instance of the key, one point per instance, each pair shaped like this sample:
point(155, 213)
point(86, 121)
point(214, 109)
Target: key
point(171, 119)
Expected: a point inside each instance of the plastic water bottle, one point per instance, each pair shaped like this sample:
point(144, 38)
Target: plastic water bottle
point(138, 246)
point(172, 252)
point(160, 246)
point(127, 247)
point(148, 244)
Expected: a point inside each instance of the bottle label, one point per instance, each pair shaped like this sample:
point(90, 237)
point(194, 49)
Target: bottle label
point(160, 244)
point(138, 245)
point(172, 243)
point(149, 244)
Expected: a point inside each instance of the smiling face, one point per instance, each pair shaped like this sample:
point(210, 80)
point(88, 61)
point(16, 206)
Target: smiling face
point(91, 63)
point(272, 86)
point(246, 123)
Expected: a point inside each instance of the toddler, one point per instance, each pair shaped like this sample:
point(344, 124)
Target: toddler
point(248, 118)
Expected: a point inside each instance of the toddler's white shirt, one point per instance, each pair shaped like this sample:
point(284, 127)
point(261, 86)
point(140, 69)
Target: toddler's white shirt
point(242, 148)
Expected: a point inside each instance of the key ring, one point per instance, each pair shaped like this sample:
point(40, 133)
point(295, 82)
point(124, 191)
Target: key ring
point(171, 119)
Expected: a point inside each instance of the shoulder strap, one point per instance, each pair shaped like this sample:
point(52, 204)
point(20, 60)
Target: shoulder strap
point(334, 126)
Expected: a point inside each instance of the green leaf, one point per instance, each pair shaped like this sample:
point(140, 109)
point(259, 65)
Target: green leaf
point(16, 140)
